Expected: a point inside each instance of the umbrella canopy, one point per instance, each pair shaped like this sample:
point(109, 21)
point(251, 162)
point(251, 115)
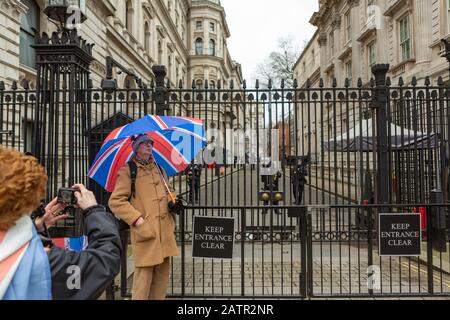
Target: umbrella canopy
point(363, 138)
point(177, 141)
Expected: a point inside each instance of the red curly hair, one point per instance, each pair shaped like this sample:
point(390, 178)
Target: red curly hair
point(23, 182)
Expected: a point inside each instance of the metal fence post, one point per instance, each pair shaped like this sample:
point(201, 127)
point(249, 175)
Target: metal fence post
point(160, 73)
point(380, 100)
point(303, 251)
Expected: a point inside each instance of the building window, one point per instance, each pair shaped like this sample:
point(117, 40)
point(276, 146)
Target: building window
point(183, 33)
point(331, 44)
point(405, 40)
point(212, 27)
point(212, 47)
point(29, 21)
point(348, 26)
point(371, 54)
point(313, 57)
point(160, 53)
point(169, 71)
point(199, 25)
point(129, 15)
point(348, 71)
point(212, 85)
point(199, 46)
point(199, 84)
point(147, 37)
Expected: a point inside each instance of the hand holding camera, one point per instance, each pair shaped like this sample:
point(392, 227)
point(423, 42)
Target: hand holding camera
point(85, 198)
point(53, 213)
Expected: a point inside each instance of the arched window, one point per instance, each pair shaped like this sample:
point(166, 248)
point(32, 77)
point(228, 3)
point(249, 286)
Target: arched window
point(199, 84)
point(129, 82)
point(199, 46)
point(30, 20)
point(212, 47)
point(147, 37)
point(129, 15)
point(212, 84)
point(160, 53)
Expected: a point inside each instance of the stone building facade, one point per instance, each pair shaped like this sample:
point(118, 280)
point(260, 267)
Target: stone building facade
point(189, 37)
point(351, 37)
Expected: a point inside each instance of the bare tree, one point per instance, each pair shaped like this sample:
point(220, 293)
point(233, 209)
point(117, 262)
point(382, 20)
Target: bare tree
point(279, 64)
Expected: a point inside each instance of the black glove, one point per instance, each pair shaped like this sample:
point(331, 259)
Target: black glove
point(178, 206)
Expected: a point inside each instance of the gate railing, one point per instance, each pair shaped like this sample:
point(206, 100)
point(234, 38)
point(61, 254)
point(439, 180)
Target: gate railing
point(378, 144)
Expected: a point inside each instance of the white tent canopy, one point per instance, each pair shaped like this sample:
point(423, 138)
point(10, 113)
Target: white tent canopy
point(363, 138)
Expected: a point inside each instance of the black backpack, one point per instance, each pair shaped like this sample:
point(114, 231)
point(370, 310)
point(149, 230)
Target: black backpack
point(133, 174)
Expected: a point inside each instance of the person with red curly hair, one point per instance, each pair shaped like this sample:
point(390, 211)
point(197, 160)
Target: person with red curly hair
point(24, 265)
point(28, 271)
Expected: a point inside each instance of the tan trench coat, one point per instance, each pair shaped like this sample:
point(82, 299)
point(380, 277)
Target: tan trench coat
point(154, 240)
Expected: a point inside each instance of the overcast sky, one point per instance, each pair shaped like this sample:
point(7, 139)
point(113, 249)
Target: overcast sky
point(255, 26)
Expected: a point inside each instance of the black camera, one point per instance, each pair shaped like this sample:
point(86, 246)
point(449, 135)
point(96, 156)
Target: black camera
point(39, 212)
point(67, 196)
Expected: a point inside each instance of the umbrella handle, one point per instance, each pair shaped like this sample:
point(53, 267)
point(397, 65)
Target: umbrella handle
point(172, 197)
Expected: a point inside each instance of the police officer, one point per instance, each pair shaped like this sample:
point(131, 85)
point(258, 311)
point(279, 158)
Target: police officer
point(299, 180)
point(194, 172)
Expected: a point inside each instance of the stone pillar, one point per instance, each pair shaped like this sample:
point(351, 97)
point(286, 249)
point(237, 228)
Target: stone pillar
point(323, 41)
point(337, 26)
point(420, 31)
point(356, 51)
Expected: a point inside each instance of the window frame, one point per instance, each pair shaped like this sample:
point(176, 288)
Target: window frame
point(331, 35)
point(406, 42)
point(30, 36)
point(348, 25)
point(349, 71)
point(212, 47)
point(199, 49)
point(198, 25)
point(371, 46)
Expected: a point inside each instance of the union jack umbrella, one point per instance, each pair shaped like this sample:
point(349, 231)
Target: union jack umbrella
point(177, 141)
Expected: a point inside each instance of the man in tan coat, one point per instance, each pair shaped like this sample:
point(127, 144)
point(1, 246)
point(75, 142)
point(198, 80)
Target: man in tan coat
point(152, 226)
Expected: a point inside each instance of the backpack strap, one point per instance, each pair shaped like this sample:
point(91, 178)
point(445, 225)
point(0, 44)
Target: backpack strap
point(133, 176)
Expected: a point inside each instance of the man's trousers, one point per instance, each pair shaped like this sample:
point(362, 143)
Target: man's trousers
point(150, 283)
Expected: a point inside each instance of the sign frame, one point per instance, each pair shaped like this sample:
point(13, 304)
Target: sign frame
point(399, 214)
point(234, 237)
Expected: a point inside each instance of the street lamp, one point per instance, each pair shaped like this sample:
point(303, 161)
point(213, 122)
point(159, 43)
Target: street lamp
point(66, 11)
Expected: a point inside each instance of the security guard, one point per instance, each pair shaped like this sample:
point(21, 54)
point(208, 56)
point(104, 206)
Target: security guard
point(299, 180)
point(194, 172)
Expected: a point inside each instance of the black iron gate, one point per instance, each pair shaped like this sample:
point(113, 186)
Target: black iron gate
point(304, 171)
